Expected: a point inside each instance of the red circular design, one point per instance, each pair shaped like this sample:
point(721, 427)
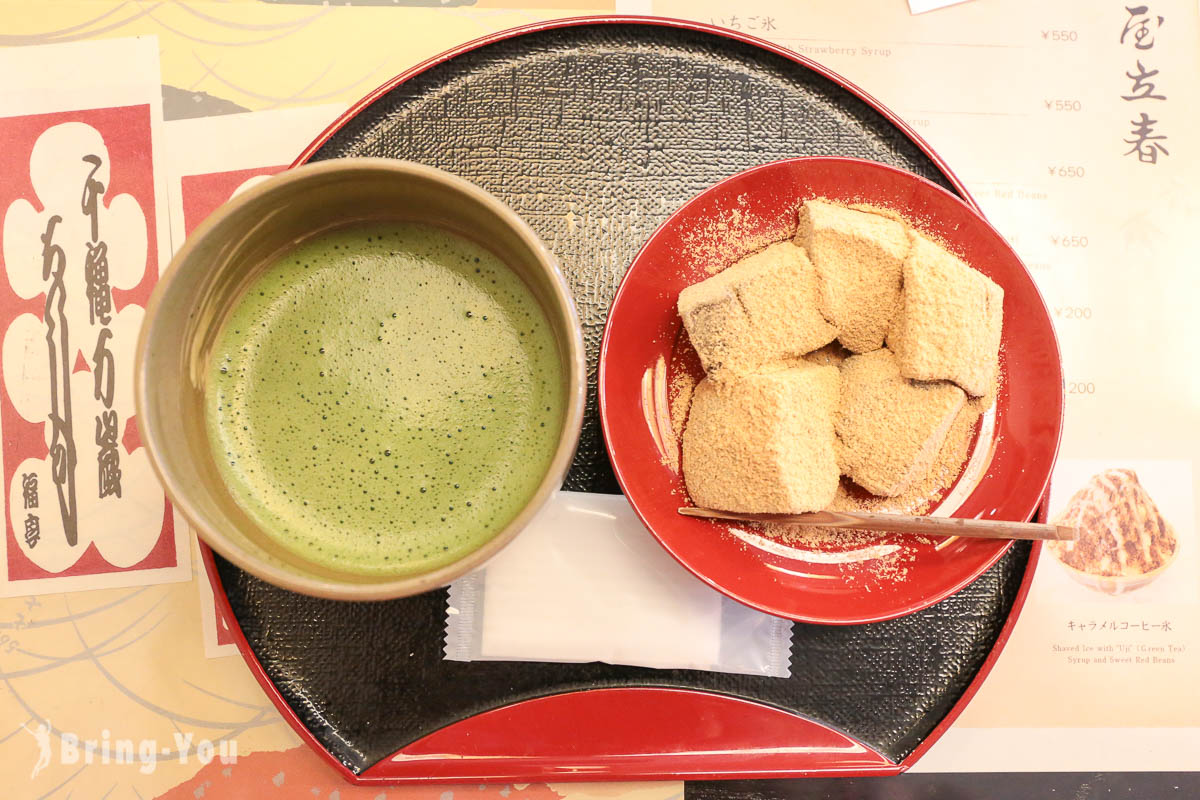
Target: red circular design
point(739, 215)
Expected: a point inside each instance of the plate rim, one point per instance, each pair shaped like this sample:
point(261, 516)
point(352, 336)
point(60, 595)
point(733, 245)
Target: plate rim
point(818, 618)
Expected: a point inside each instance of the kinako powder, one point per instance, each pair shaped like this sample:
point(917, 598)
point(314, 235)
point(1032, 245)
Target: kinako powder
point(840, 241)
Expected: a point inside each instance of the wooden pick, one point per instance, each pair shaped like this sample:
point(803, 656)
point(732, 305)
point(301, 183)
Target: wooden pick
point(898, 523)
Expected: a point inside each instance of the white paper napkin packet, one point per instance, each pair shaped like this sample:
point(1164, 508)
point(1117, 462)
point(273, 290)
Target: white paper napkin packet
point(587, 582)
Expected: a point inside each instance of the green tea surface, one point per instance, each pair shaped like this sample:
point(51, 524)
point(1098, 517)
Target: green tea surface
point(384, 398)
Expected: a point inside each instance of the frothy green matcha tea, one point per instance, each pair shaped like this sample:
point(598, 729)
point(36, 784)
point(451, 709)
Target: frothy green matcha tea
point(385, 398)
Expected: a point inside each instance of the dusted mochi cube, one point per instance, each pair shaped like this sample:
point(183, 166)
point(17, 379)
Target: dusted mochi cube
point(890, 429)
point(763, 442)
point(778, 289)
point(716, 322)
point(761, 309)
point(858, 257)
point(948, 326)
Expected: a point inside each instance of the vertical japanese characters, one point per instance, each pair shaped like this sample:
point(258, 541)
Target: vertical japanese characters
point(62, 441)
point(76, 255)
point(1139, 34)
point(29, 499)
point(99, 298)
point(63, 449)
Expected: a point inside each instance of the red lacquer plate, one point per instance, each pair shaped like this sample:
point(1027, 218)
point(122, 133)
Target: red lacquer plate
point(644, 350)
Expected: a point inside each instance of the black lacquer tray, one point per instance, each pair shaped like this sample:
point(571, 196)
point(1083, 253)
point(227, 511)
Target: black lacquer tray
point(595, 131)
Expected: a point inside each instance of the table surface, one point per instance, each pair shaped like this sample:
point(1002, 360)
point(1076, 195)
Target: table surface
point(1030, 106)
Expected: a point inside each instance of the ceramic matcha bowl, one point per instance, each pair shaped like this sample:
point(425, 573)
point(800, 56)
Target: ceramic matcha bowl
point(211, 273)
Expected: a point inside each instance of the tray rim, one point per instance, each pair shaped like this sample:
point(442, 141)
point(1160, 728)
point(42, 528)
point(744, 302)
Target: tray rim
point(225, 611)
point(375, 774)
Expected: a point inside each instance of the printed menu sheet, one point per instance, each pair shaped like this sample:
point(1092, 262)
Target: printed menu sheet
point(1073, 125)
point(84, 236)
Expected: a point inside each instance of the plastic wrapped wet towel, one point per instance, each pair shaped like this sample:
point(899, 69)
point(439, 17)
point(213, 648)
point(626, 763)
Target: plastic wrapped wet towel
point(587, 582)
